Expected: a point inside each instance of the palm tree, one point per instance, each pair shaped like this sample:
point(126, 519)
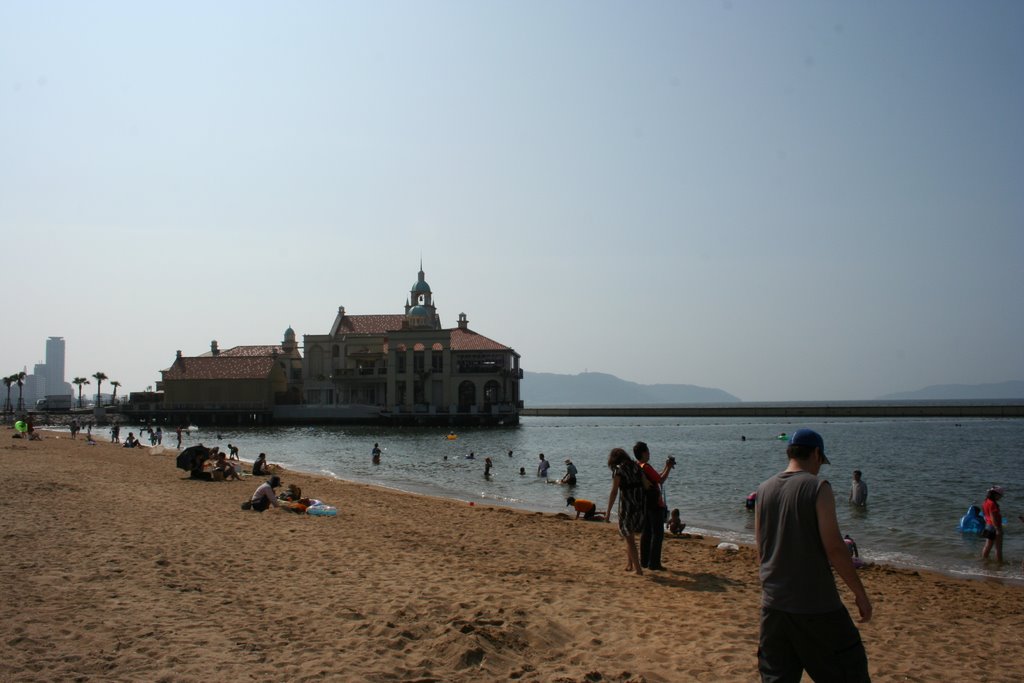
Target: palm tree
point(113, 399)
point(20, 379)
point(8, 381)
point(99, 377)
point(80, 382)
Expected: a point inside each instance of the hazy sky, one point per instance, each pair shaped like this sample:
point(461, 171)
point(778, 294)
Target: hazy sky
point(785, 200)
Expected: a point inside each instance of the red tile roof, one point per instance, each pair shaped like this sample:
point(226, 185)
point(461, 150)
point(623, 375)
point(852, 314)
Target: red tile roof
point(460, 340)
point(220, 367)
point(235, 351)
point(252, 350)
point(468, 340)
point(371, 324)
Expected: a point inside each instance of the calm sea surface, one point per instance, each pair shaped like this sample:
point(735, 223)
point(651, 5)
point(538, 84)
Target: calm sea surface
point(922, 473)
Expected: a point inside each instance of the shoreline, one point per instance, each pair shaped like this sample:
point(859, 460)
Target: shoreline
point(122, 568)
point(718, 535)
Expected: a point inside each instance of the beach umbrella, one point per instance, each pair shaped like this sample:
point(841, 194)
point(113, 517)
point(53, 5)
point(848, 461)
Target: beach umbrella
point(192, 457)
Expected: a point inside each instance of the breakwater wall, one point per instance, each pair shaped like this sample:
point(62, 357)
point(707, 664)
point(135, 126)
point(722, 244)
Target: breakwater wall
point(965, 410)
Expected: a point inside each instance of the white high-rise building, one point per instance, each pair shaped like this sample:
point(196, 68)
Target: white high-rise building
point(47, 379)
point(55, 366)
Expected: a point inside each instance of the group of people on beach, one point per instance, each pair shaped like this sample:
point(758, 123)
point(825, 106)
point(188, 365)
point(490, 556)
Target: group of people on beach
point(804, 624)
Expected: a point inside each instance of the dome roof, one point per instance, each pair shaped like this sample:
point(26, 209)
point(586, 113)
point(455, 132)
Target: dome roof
point(419, 311)
point(421, 287)
point(289, 333)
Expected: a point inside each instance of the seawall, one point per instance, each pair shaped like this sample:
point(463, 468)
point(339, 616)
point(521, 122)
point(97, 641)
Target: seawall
point(934, 409)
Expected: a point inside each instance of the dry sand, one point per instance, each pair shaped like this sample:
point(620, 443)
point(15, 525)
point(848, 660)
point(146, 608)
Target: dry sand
point(117, 567)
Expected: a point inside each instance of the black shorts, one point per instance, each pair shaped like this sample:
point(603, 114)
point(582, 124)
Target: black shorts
point(827, 646)
point(260, 505)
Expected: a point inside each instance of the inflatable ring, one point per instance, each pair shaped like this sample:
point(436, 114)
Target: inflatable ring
point(20, 426)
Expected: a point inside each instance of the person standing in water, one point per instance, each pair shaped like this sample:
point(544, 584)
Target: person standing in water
point(993, 531)
point(570, 473)
point(542, 467)
point(375, 454)
point(858, 490)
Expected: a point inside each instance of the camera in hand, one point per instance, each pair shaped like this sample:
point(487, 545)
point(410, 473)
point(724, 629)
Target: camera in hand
point(671, 460)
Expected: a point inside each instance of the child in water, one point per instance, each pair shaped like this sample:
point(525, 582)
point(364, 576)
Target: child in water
point(851, 545)
point(674, 524)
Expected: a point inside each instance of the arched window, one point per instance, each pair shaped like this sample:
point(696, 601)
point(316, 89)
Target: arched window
point(492, 393)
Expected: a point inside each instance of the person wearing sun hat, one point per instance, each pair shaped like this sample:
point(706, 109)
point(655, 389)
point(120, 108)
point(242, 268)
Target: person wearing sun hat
point(804, 624)
point(570, 473)
point(993, 531)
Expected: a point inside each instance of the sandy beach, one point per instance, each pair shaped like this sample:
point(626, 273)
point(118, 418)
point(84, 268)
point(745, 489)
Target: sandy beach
point(120, 568)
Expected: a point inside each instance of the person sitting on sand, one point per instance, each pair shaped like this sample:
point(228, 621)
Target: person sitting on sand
point(260, 468)
point(293, 493)
point(675, 524)
point(131, 441)
point(584, 507)
point(221, 465)
point(264, 496)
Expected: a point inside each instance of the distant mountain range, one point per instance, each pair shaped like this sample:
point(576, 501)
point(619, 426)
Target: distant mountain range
point(952, 392)
point(598, 389)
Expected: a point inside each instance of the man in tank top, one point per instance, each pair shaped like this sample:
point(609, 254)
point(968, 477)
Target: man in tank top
point(804, 625)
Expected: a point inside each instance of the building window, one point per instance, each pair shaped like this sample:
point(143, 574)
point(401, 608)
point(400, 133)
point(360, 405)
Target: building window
point(401, 362)
point(491, 392)
point(315, 359)
point(467, 396)
point(335, 351)
point(437, 361)
point(417, 361)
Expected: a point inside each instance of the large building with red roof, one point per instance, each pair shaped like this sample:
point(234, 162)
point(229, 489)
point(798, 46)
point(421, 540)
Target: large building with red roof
point(401, 367)
point(408, 365)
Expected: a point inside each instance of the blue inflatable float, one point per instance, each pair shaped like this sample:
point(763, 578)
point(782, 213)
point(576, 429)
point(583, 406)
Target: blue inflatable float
point(972, 522)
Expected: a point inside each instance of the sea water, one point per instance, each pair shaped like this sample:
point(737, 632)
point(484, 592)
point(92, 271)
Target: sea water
point(922, 473)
